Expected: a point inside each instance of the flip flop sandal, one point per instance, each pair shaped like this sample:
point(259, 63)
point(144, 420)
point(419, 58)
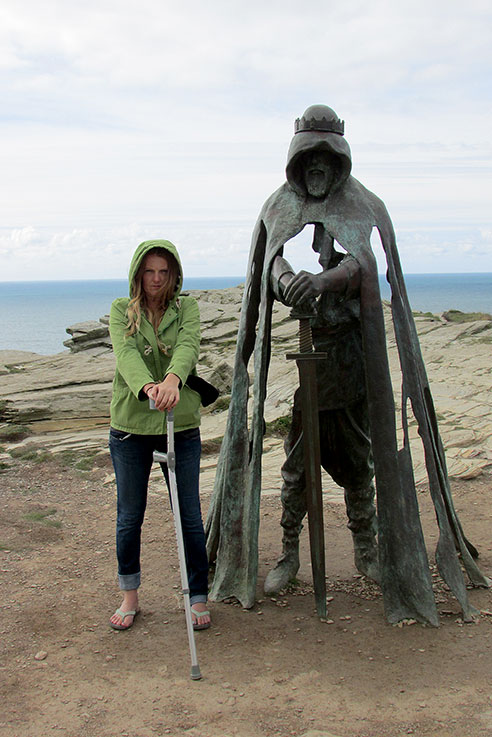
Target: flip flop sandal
point(130, 613)
point(197, 626)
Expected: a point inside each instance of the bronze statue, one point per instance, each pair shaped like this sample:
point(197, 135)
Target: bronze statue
point(355, 400)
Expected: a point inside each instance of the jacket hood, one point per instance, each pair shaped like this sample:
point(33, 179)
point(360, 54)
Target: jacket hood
point(143, 250)
point(313, 134)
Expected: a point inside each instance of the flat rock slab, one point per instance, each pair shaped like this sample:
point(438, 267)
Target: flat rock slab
point(70, 392)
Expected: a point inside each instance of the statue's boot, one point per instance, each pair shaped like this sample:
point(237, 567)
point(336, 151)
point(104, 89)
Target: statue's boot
point(363, 526)
point(287, 565)
point(366, 555)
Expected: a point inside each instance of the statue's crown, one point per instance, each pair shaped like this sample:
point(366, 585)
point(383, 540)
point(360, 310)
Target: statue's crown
point(329, 125)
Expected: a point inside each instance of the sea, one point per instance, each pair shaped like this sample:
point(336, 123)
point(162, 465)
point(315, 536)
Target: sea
point(35, 315)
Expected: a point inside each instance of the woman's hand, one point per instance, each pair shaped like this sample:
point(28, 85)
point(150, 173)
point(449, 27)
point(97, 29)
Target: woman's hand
point(165, 394)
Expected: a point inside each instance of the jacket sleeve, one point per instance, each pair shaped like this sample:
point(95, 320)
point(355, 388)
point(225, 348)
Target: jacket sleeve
point(187, 348)
point(129, 361)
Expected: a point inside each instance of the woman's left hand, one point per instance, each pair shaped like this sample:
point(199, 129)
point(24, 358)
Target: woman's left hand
point(166, 394)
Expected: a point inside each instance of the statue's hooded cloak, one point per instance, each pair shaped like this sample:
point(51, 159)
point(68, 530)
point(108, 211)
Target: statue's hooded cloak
point(348, 213)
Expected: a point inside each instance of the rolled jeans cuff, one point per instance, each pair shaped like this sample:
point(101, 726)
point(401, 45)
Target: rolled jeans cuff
point(198, 599)
point(129, 581)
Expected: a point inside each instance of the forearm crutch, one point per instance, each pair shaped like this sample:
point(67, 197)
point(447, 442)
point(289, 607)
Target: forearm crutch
point(169, 459)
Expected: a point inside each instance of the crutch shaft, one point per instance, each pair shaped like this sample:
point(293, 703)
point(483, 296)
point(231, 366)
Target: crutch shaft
point(169, 459)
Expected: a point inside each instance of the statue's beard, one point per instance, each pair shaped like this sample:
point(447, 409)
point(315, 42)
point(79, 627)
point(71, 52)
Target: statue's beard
point(317, 184)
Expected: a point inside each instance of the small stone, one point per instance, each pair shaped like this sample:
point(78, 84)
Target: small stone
point(41, 655)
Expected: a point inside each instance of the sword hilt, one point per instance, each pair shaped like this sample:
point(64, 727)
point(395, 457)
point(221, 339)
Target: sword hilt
point(305, 335)
point(306, 348)
point(304, 314)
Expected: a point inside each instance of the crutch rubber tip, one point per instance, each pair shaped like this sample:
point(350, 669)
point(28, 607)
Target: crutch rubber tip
point(195, 673)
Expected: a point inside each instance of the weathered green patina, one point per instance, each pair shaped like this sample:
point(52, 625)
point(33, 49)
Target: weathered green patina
point(348, 214)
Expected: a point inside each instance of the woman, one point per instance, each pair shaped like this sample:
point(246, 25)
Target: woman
point(156, 339)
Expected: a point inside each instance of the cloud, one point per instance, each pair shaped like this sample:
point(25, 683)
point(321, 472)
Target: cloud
point(157, 113)
point(207, 248)
point(182, 58)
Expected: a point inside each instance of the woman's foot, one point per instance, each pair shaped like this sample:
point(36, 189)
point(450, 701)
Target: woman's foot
point(124, 617)
point(200, 616)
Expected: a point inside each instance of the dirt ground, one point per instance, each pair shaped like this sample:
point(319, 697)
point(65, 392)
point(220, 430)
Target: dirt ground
point(272, 670)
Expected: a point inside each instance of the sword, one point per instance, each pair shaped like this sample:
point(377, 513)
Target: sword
point(306, 366)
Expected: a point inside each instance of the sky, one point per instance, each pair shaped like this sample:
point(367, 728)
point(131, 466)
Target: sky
point(122, 121)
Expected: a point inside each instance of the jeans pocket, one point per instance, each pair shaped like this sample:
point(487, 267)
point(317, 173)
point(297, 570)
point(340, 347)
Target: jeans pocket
point(118, 435)
point(190, 434)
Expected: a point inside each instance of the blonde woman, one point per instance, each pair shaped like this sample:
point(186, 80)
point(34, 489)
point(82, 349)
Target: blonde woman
point(156, 338)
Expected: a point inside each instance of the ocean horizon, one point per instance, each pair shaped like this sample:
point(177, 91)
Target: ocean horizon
point(38, 312)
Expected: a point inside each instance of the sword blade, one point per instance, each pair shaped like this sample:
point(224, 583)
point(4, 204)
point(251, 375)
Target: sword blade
point(312, 465)
point(306, 364)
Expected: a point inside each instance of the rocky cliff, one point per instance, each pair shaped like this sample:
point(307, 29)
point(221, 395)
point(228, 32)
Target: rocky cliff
point(61, 402)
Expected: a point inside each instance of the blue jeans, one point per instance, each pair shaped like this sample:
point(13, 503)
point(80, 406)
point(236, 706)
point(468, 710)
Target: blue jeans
point(132, 461)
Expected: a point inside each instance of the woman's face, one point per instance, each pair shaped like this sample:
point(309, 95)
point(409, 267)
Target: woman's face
point(155, 275)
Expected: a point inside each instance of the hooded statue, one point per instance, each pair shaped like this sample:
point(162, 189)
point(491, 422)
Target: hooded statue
point(321, 191)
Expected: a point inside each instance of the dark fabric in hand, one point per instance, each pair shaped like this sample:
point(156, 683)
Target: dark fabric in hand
point(208, 393)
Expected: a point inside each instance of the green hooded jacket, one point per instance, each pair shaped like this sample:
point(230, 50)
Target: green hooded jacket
point(139, 360)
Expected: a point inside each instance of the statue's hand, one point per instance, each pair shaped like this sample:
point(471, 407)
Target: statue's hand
point(303, 288)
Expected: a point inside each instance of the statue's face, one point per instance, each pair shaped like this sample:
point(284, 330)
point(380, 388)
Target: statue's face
point(319, 173)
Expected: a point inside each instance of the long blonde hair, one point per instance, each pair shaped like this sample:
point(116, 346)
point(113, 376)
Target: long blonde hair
point(138, 302)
